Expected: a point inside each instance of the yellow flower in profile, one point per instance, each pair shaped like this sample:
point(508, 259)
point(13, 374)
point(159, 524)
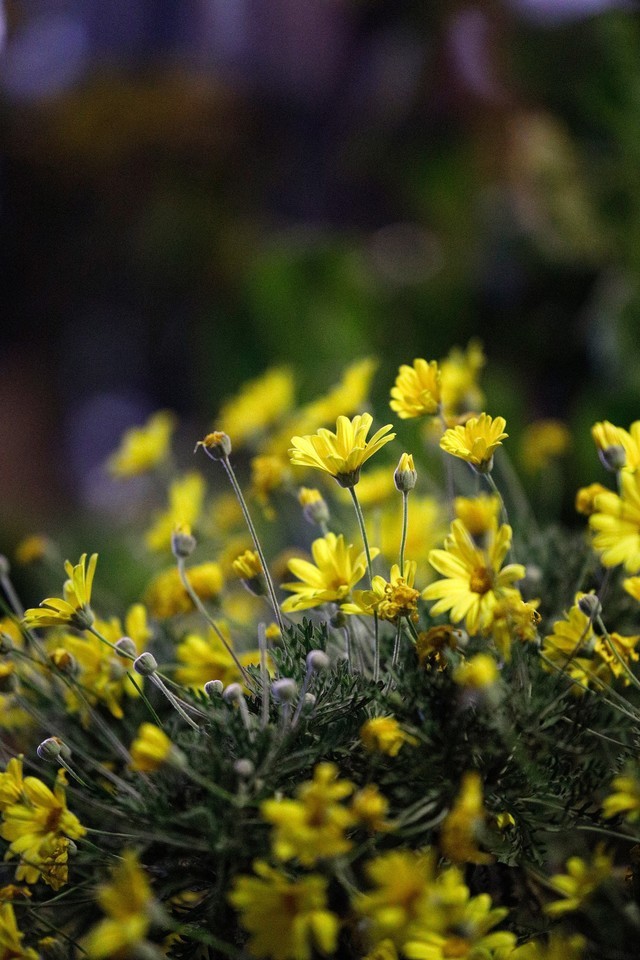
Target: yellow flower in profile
point(75, 608)
point(390, 599)
point(475, 579)
point(129, 905)
point(166, 597)
point(286, 919)
point(459, 373)
point(385, 735)
point(586, 498)
point(340, 454)
point(476, 440)
point(513, 619)
point(186, 496)
point(579, 882)
point(616, 524)
point(477, 673)
point(461, 827)
point(417, 390)
point(570, 648)
point(38, 828)
point(625, 799)
point(143, 448)
point(312, 827)
point(617, 447)
point(542, 442)
point(11, 783)
point(11, 937)
point(247, 566)
point(479, 514)
point(151, 749)
point(338, 567)
point(260, 404)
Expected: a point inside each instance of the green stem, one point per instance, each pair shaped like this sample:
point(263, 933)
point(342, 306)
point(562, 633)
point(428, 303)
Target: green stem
point(226, 463)
point(504, 517)
point(155, 679)
point(405, 520)
point(367, 551)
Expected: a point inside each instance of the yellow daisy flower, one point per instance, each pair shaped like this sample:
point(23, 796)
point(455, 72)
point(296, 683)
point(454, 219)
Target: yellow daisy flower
point(459, 373)
point(586, 498)
point(186, 496)
point(624, 799)
point(340, 454)
point(204, 658)
point(617, 447)
point(286, 919)
point(128, 903)
point(74, 609)
point(478, 514)
point(402, 882)
point(467, 935)
point(579, 882)
point(417, 390)
point(390, 599)
point(11, 937)
point(143, 448)
point(461, 826)
point(477, 673)
point(338, 567)
point(476, 440)
point(616, 523)
point(542, 442)
point(32, 549)
point(166, 597)
point(475, 579)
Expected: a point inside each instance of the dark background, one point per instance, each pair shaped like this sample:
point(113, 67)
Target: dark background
point(191, 191)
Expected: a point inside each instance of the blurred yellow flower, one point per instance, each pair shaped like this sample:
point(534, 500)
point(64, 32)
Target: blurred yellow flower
point(166, 597)
point(586, 498)
point(260, 404)
point(385, 735)
point(579, 882)
point(186, 496)
point(340, 454)
point(268, 474)
point(478, 514)
point(129, 904)
point(461, 827)
point(476, 440)
point(204, 658)
point(417, 390)
point(402, 883)
point(286, 919)
point(426, 530)
point(459, 373)
point(151, 749)
point(11, 937)
point(542, 442)
point(32, 549)
point(477, 673)
point(143, 448)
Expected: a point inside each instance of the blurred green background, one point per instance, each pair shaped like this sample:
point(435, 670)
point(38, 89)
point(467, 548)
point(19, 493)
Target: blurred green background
point(192, 191)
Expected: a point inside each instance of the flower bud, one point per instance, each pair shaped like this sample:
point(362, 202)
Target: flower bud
point(213, 688)
point(244, 768)
point(232, 693)
point(182, 542)
point(590, 605)
point(317, 660)
point(613, 458)
point(64, 661)
point(146, 664)
point(52, 748)
point(284, 690)
point(405, 476)
point(314, 506)
point(6, 643)
point(216, 445)
point(126, 648)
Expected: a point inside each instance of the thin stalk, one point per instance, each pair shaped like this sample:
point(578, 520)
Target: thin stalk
point(264, 676)
point(504, 516)
point(199, 605)
point(405, 519)
point(226, 463)
point(155, 679)
point(365, 541)
point(11, 595)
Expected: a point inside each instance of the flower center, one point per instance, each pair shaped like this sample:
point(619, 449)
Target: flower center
point(481, 580)
point(455, 947)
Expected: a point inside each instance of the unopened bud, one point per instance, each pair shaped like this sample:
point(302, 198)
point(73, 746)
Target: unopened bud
point(232, 693)
point(146, 664)
point(284, 690)
point(314, 506)
point(64, 661)
point(126, 648)
point(613, 458)
point(244, 768)
point(213, 688)
point(52, 748)
point(182, 542)
point(317, 660)
point(216, 445)
point(405, 476)
point(590, 605)
point(6, 643)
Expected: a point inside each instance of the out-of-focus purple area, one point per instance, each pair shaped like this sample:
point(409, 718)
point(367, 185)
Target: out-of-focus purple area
point(190, 191)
